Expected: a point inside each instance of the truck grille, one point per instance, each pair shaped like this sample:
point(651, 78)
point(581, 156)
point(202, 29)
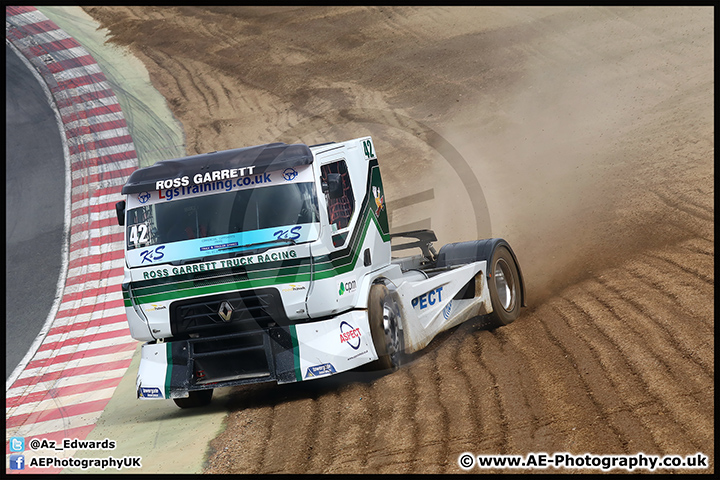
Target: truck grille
point(230, 358)
point(245, 311)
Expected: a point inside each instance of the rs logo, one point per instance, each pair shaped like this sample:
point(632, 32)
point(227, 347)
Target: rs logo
point(151, 255)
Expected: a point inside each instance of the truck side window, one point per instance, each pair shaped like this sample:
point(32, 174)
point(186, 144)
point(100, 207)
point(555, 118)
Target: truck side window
point(340, 210)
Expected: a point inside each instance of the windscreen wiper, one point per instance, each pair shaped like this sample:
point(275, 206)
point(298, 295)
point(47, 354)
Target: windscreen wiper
point(250, 247)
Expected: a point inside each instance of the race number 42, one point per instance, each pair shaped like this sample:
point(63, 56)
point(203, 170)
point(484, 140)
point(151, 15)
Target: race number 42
point(139, 234)
point(368, 149)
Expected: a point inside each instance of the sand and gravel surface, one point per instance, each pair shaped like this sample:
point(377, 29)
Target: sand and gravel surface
point(589, 132)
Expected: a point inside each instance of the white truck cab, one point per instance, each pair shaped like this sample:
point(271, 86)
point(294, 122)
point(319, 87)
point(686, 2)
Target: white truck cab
point(273, 263)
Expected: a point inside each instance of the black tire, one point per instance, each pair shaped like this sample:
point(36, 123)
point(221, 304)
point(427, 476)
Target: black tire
point(197, 398)
point(386, 328)
point(504, 284)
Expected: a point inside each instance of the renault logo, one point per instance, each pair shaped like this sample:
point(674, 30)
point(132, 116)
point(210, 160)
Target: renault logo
point(225, 311)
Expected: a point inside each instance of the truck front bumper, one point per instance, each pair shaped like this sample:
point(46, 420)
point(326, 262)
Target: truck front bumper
point(282, 354)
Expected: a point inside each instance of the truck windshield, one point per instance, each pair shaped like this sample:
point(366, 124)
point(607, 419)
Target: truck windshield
point(199, 226)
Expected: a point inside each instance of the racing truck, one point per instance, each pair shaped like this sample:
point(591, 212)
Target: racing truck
point(274, 263)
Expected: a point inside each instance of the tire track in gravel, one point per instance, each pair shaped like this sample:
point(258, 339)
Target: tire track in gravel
point(594, 382)
point(703, 246)
point(633, 394)
point(614, 410)
point(693, 272)
point(458, 394)
point(519, 420)
point(654, 327)
point(626, 380)
point(656, 337)
point(652, 372)
point(518, 361)
point(685, 205)
point(692, 343)
point(261, 432)
point(683, 295)
point(676, 368)
point(589, 409)
point(323, 443)
point(394, 438)
point(489, 434)
point(623, 362)
point(430, 414)
point(293, 424)
point(554, 403)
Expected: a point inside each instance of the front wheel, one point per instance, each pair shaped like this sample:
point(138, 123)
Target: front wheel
point(197, 398)
point(386, 328)
point(504, 284)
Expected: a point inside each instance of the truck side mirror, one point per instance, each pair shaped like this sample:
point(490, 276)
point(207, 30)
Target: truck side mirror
point(333, 186)
point(120, 211)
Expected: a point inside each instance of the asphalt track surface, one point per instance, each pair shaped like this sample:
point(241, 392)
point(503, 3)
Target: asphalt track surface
point(67, 384)
point(34, 208)
point(86, 348)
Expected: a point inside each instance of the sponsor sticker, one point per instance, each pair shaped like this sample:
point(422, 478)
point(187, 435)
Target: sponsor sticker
point(153, 307)
point(150, 392)
point(221, 245)
point(428, 299)
point(357, 355)
point(350, 335)
point(198, 179)
point(347, 287)
point(218, 264)
point(289, 174)
point(152, 255)
point(447, 310)
point(379, 200)
point(317, 370)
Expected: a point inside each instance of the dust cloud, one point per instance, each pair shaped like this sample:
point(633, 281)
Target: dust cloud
point(567, 152)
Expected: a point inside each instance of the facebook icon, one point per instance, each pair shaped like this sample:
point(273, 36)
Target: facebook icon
point(17, 462)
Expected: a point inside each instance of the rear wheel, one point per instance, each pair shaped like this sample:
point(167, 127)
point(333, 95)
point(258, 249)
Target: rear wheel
point(196, 398)
point(504, 284)
point(386, 328)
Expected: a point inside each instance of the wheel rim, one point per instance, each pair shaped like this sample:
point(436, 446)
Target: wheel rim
point(392, 336)
point(505, 285)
